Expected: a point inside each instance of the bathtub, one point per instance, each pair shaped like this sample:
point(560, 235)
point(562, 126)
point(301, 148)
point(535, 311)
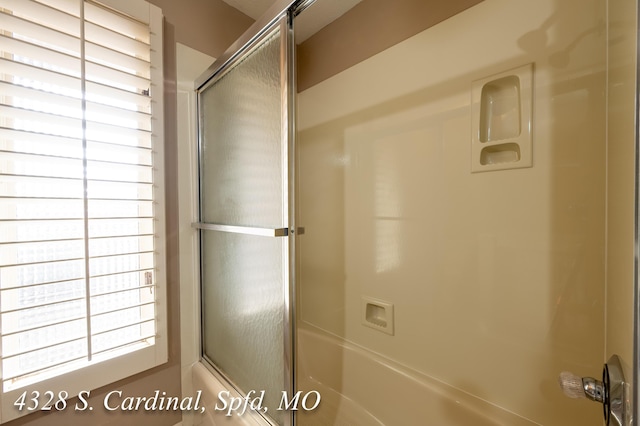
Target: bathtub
point(361, 388)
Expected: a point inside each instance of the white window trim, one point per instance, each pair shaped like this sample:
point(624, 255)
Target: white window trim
point(98, 374)
point(190, 64)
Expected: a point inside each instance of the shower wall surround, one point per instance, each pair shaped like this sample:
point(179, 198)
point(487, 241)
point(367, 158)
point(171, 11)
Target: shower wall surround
point(497, 279)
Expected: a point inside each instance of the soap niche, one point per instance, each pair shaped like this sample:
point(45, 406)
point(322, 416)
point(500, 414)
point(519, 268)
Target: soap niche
point(500, 109)
point(377, 314)
point(501, 120)
point(500, 154)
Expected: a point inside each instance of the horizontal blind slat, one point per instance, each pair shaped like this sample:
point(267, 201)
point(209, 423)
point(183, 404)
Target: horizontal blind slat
point(40, 56)
point(19, 297)
point(33, 165)
point(116, 78)
point(103, 276)
point(101, 132)
point(17, 276)
point(112, 256)
point(39, 100)
point(134, 180)
point(139, 11)
point(41, 78)
point(111, 246)
point(105, 37)
point(39, 187)
point(32, 362)
point(5, 244)
point(124, 25)
point(40, 122)
point(42, 230)
point(69, 7)
point(117, 153)
point(37, 156)
point(123, 336)
point(26, 253)
point(117, 209)
point(119, 190)
point(123, 117)
point(39, 143)
point(38, 331)
point(131, 164)
point(41, 346)
point(55, 40)
point(138, 309)
point(128, 325)
point(48, 304)
point(120, 282)
point(43, 315)
point(149, 287)
point(108, 95)
point(29, 210)
point(127, 346)
point(112, 320)
point(63, 17)
point(39, 327)
point(26, 210)
point(115, 59)
point(119, 227)
point(100, 266)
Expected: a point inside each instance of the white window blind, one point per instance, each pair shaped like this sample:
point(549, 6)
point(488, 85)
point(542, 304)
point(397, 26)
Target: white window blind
point(81, 194)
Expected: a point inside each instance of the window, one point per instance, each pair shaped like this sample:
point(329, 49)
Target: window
point(81, 195)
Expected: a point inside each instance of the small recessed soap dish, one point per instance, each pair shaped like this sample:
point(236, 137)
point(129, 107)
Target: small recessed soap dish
point(377, 314)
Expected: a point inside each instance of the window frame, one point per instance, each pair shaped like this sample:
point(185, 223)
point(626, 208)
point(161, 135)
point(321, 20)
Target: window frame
point(96, 374)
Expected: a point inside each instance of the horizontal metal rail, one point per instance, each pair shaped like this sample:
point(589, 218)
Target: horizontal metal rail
point(248, 230)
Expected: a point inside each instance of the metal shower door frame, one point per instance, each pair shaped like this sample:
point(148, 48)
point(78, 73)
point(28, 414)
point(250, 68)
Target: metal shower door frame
point(280, 15)
point(635, 378)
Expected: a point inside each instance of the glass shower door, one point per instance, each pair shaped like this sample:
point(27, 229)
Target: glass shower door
point(245, 219)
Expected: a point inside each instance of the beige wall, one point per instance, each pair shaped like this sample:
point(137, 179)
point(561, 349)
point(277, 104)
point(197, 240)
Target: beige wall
point(370, 27)
point(208, 26)
point(498, 278)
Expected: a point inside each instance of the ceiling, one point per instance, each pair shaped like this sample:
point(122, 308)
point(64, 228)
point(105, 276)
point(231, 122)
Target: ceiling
point(252, 8)
point(323, 13)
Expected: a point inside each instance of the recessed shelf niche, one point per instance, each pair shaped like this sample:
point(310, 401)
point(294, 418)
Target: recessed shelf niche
point(501, 120)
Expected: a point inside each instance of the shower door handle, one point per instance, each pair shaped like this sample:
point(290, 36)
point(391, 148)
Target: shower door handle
point(612, 391)
point(247, 230)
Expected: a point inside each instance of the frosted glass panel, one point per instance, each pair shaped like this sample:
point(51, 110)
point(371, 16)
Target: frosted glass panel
point(241, 149)
point(244, 277)
point(243, 292)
